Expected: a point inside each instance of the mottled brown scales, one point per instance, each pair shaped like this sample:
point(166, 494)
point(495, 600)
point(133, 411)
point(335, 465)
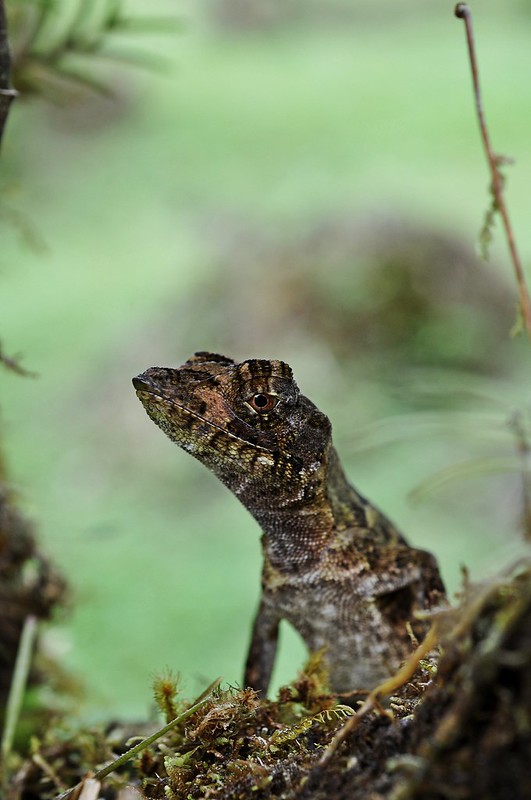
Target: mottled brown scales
point(334, 566)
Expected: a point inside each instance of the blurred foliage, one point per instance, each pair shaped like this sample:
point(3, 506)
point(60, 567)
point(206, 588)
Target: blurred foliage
point(368, 290)
point(57, 44)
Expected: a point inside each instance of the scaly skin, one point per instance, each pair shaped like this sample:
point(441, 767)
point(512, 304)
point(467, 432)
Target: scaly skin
point(334, 566)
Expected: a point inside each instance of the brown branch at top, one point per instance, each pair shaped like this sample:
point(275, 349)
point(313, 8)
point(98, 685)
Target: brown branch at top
point(7, 93)
point(463, 12)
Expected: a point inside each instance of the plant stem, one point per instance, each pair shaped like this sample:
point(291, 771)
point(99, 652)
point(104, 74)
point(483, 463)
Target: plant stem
point(118, 762)
point(384, 689)
point(463, 12)
point(18, 685)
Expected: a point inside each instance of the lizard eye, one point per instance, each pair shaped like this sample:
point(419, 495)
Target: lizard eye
point(263, 403)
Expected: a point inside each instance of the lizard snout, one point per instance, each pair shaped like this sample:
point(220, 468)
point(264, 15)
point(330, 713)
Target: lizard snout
point(143, 384)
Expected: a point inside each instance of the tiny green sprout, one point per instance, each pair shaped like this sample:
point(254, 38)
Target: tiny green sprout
point(173, 764)
point(428, 666)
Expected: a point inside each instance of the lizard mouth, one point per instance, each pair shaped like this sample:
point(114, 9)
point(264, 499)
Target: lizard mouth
point(146, 387)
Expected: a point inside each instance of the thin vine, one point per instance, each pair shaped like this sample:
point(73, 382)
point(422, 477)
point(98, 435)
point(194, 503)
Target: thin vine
point(495, 161)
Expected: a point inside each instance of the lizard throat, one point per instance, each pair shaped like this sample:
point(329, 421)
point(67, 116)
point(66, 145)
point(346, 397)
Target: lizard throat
point(299, 526)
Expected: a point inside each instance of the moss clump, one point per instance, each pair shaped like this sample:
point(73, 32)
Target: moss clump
point(458, 728)
point(237, 745)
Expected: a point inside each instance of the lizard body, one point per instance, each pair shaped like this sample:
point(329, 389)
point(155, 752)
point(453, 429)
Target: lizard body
point(334, 566)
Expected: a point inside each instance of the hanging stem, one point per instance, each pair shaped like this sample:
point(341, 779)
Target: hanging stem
point(462, 11)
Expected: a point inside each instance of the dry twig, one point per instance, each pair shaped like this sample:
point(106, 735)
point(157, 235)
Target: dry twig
point(463, 12)
point(384, 689)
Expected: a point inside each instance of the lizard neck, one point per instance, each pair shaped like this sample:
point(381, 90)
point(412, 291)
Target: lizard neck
point(300, 526)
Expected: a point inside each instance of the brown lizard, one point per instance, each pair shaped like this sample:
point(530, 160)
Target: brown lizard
point(334, 566)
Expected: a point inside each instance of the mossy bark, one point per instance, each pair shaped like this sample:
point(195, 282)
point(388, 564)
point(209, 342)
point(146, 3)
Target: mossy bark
point(29, 584)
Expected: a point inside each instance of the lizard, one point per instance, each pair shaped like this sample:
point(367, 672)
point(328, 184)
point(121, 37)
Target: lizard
point(334, 566)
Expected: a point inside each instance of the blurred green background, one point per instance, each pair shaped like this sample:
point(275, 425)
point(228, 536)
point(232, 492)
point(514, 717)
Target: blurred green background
point(302, 181)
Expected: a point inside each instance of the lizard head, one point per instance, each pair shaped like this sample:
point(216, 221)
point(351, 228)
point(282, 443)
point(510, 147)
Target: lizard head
point(247, 422)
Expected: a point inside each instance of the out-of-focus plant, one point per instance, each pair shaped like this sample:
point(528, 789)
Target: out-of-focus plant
point(500, 439)
point(60, 50)
point(7, 93)
point(56, 44)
